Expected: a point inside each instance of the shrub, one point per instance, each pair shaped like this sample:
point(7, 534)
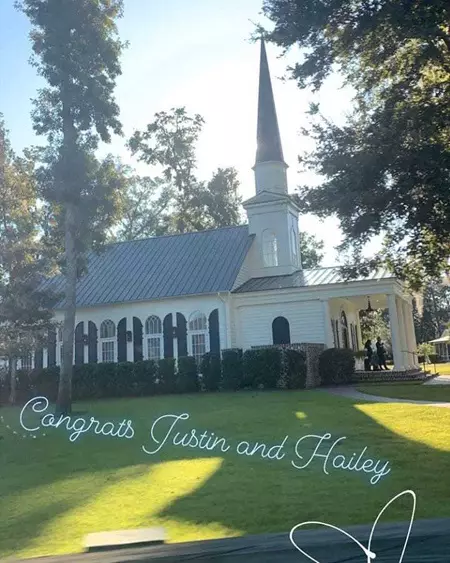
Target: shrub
point(336, 365)
point(85, 382)
point(211, 371)
point(45, 382)
point(262, 368)
point(187, 375)
point(167, 381)
point(106, 380)
point(295, 361)
point(144, 375)
point(232, 369)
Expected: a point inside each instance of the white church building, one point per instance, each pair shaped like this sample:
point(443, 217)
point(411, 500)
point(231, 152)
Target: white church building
point(235, 287)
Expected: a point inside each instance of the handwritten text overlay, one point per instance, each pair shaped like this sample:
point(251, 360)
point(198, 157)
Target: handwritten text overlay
point(321, 450)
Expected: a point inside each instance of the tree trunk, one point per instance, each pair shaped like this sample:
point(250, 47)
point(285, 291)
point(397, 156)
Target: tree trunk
point(64, 401)
point(13, 382)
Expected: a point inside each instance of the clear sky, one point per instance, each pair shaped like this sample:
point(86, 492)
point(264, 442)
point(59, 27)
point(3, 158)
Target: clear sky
point(194, 53)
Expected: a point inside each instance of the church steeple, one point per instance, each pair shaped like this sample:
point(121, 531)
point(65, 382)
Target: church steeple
point(269, 147)
point(270, 168)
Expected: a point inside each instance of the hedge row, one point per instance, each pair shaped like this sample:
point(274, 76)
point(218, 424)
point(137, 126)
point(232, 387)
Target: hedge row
point(268, 368)
point(336, 366)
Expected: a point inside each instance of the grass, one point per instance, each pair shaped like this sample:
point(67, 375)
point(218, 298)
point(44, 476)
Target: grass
point(414, 390)
point(442, 369)
point(54, 492)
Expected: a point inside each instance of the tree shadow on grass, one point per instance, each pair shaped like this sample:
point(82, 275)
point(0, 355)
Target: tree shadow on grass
point(253, 495)
point(242, 495)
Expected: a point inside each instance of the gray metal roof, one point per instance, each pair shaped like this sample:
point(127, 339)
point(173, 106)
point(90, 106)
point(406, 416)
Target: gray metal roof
point(304, 278)
point(166, 266)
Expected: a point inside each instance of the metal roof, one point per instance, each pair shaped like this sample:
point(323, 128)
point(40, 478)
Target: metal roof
point(304, 278)
point(166, 266)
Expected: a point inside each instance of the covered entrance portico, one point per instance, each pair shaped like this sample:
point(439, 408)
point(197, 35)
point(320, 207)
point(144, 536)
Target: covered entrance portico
point(345, 330)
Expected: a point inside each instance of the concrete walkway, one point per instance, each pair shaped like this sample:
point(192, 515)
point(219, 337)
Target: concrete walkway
point(439, 380)
point(352, 393)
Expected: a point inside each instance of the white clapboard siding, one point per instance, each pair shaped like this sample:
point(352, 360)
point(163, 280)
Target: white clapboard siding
point(254, 322)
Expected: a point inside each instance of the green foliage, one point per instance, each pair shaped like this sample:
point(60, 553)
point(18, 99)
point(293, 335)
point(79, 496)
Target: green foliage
point(336, 366)
point(296, 368)
point(86, 383)
point(425, 349)
point(169, 142)
point(167, 375)
point(76, 51)
point(144, 207)
point(232, 369)
point(211, 371)
point(387, 169)
point(25, 308)
point(262, 368)
point(145, 374)
point(432, 315)
point(187, 375)
point(311, 251)
point(375, 325)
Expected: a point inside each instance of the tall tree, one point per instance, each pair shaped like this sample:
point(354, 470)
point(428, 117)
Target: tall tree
point(311, 251)
point(388, 169)
point(76, 50)
point(432, 316)
point(169, 145)
point(145, 204)
point(25, 309)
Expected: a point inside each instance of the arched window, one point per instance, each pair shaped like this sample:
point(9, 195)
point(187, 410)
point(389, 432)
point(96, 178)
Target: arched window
point(108, 340)
point(270, 249)
point(154, 335)
point(344, 328)
point(280, 331)
point(198, 335)
point(294, 249)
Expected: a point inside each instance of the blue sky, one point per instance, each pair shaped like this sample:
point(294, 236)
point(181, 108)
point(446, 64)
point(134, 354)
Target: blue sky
point(194, 53)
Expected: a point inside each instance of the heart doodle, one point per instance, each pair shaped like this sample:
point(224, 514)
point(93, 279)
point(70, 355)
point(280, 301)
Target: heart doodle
point(367, 550)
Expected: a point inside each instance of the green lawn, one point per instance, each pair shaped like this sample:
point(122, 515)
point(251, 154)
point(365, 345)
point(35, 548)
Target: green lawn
point(53, 492)
point(415, 391)
point(442, 369)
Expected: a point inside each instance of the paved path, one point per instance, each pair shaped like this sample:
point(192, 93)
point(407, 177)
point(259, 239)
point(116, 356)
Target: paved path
point(440, 380)
point(352, 393)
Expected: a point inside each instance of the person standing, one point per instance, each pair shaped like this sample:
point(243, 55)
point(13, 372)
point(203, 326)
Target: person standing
point(381, 353)
point(369, 354)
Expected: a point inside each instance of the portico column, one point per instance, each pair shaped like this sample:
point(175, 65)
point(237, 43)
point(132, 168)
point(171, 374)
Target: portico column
point(403, 335)
point(395, 332)
point(329, 340)
point(412, 335)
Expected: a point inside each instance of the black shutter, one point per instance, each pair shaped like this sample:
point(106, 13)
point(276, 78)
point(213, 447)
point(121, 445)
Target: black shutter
point(92, 343)
point(137, 339)
point(79, 344)
point(122, 340)
point(280, 331)
point(39, 358)
point(182, 335)
point(214, 335)
point(168, 336)
point(51, 348)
